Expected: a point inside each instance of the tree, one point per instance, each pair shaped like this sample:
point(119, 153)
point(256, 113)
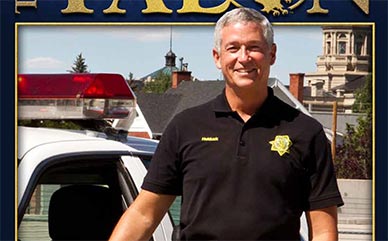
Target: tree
point(159, 85)
point(130, 76)
point(354, 157)
point(79, 65)
point(363, 102)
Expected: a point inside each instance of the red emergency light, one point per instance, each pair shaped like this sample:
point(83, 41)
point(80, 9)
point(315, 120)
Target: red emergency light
point(75, 96)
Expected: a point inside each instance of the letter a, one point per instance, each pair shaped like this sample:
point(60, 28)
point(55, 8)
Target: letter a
point(114, 8)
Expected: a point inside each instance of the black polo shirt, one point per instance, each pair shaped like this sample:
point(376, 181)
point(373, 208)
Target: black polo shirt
point(244, 181)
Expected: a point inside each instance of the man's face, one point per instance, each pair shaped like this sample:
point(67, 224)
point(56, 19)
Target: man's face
point(245, 57)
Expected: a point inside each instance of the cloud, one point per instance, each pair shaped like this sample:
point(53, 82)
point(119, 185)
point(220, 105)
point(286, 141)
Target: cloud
point(44, 63)
point(141, 34)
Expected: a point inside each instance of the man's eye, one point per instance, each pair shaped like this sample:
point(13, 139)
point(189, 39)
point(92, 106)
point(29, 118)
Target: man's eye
point(255, 48)
point(232, 49)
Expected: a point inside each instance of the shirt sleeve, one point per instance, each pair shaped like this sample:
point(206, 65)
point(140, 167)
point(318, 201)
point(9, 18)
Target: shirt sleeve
point(324, 190)
point(163, 176)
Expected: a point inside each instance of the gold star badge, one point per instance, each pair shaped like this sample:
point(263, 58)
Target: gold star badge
point(281, 144)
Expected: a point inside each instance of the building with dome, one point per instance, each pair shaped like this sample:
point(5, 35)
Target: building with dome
point(168, 68)
point(342, 68)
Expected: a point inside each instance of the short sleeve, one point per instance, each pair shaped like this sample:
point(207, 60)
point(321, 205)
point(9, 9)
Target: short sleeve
point(163, 176)
point(324, 190)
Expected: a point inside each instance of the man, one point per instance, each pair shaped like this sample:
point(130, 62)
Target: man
point(246, 164)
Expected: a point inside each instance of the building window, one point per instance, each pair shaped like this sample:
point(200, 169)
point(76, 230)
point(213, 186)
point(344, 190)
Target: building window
point(359, 42)
point(342, 48)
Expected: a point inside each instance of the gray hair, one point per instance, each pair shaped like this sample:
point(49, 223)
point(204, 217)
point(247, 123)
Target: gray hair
point(239, 15)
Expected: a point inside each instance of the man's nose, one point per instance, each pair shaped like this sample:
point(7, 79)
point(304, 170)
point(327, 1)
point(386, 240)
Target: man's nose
point(243, 54)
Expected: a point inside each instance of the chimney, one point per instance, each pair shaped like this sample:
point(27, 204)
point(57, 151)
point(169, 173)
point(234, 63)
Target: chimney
point(179, 76)
point(296, 85)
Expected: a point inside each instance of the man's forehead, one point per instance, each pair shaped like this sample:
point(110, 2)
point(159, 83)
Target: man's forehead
point(233, 34)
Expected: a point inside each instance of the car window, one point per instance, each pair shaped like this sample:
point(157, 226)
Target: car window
point(72, 196)
point(35, 221)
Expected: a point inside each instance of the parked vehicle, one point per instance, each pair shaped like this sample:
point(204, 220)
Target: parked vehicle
point(74, 184)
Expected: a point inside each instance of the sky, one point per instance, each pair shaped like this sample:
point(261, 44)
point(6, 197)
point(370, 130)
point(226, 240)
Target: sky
point(140, 50)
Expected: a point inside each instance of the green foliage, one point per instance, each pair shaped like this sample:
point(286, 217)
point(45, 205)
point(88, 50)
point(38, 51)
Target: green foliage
point(354, 158)
point(79, 65)
point(363, 102)
point(159, 85)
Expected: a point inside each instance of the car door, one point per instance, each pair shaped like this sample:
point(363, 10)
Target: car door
point(70, 195)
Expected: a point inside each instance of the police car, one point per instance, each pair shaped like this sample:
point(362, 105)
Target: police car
point(75, 184)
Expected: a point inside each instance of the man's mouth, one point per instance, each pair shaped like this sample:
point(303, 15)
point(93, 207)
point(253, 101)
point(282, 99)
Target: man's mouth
point(245, 71)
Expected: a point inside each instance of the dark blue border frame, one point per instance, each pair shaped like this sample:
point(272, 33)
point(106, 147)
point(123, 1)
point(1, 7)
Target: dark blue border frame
point(49, 11)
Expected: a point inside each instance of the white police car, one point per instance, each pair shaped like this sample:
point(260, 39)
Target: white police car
point(74, 186)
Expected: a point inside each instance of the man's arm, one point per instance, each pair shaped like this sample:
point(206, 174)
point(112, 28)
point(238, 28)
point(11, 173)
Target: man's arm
point(323, 224)
point(143, 216)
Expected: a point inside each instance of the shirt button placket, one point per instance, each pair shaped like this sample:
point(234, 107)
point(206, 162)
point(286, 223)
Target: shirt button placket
point(242, 147)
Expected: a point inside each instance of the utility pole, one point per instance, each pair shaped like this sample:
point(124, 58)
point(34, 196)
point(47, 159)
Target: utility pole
point(334, 130)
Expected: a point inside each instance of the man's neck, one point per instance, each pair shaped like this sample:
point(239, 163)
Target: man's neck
point(246, 103)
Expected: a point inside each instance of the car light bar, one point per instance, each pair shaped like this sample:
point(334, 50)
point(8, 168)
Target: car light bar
point(75, 96)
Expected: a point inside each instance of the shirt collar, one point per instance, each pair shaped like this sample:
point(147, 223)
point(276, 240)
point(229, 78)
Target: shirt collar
point(221, 104)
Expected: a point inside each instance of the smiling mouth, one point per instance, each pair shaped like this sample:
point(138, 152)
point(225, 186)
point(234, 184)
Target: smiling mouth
point(245, 71)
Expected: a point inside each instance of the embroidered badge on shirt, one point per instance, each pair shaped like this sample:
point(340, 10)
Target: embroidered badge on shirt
point(281, 144)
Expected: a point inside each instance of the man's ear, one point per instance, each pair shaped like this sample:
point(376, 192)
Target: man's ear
point(273, 53)
point(217, 59)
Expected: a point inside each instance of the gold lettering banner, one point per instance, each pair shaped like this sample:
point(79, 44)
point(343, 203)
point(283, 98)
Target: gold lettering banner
point(274, 7)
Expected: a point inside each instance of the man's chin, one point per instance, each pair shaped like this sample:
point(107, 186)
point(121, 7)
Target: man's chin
point(246, 78)
point(245, 83)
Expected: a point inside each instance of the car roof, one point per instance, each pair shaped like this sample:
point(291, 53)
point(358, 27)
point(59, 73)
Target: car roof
point(143, 145)
point(30, 138)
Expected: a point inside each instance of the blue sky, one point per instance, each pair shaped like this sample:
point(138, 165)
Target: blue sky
point(141, 49)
